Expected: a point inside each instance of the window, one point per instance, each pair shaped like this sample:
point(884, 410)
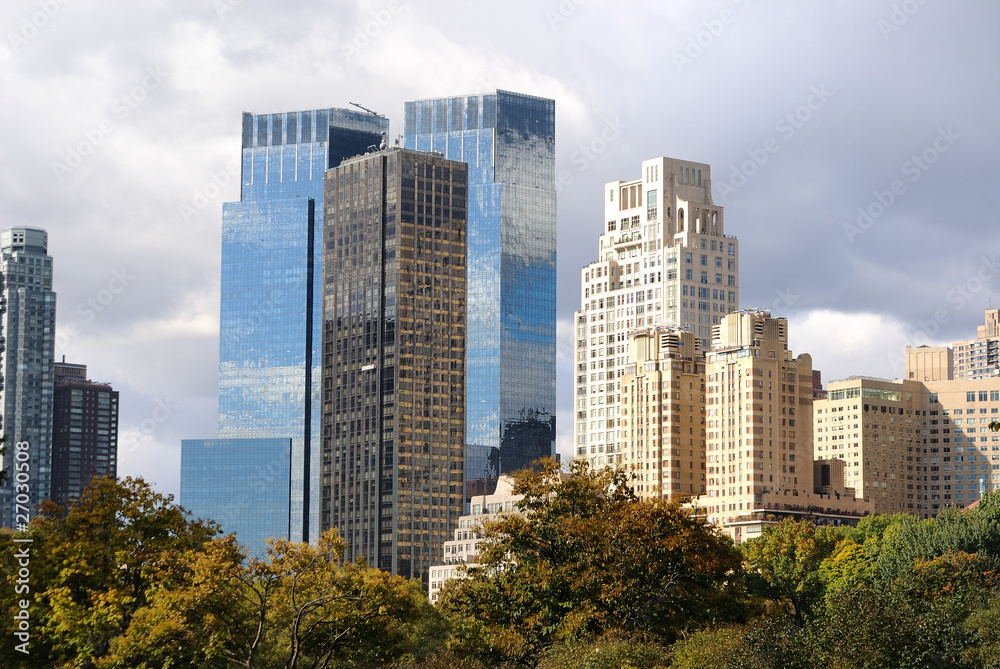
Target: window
point(970, 396)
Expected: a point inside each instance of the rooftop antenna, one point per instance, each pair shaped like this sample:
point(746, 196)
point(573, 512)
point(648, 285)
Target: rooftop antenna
point(373, 113)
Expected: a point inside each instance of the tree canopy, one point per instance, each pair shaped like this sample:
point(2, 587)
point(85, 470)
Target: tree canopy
point(585, 575)
point(126, 578)
point(586, 558)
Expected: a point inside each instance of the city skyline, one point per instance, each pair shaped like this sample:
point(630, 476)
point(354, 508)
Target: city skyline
point(126, 155)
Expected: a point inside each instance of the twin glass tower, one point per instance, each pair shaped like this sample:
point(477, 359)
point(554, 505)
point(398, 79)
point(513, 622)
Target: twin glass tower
point(508, 141)
point(271, 381)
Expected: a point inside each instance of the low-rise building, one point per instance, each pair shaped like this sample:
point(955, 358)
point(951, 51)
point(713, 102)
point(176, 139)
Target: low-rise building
point(463, 547)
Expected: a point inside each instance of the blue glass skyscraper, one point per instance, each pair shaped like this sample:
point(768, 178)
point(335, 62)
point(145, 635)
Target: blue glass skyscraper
point(270, 335)
point(508, 141)
point(242, 484)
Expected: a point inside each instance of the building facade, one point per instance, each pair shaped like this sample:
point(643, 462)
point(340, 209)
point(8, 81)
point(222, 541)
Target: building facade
point(244, 485)
point(963, 454)
point(394, 356)
point(759, 414)
point(463, 547)
point(759, 411)
point(663, 259)
point(508, 142)
point(27, 349)
point(84, 432)
point(979, 358)
point(271, 312)
point(919, 444)
point(930, 363)
point(879, 429)
point(663, 413)
point(912, 446)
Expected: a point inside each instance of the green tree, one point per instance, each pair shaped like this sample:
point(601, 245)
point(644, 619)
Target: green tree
point(302, 606)
point(785, 561)
point(587, 558)
point(93, 565)
point(864, 628)
point(942, 592)
point(606, 653)
point(908, 539)
point(854, 561)
point(769, 642)
point(983, 627)
point(918, 620)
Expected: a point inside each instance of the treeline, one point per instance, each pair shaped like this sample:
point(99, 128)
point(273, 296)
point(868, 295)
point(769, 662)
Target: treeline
point(588, 576)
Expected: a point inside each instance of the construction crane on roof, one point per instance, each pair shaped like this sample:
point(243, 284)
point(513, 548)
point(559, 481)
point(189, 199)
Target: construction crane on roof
point(373, 113)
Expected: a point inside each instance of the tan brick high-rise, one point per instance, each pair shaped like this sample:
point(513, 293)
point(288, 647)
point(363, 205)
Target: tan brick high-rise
point(663, 413)
point(759, 415)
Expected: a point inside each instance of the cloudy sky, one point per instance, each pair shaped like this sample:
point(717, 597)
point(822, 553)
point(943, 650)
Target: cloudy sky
point(853, 145)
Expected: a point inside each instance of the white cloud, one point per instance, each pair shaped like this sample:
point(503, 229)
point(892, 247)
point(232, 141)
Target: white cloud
point(845, 344)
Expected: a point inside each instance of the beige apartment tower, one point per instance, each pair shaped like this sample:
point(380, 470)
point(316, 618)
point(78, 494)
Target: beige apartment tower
point(878, 428)
point(759, 413)
point(663, 413)
point(663, 259)
point(963, 454)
